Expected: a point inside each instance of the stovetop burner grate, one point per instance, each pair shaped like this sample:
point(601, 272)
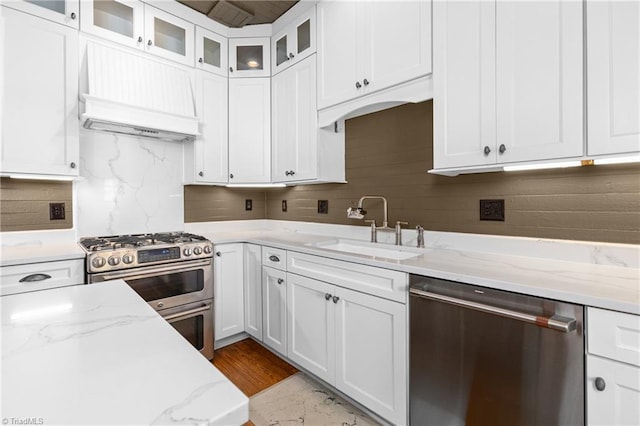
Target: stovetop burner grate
point(115, 242)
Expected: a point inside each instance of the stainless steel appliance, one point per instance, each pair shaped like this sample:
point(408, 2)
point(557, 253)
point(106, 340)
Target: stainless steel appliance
point(487, 357)
point(173, 272)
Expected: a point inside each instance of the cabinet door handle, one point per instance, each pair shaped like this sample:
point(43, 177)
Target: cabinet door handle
point(280, 280)
point(201, 174)
point(358, 85)
point(600, 384)
point(231, 176)
point(366, 82)
point(72, 165)
point(487, 150)
point(274, 258)
point(34, 278)
point(201, 60)
point(73, 15)
point(218, 254)
point(335, 299)
point(291, 55)
point(149, 43)
point(502, 149)
point(230, 69)
point(327, 296)
point(140, 39)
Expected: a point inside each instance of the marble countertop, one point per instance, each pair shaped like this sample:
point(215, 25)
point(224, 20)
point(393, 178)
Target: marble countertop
point(19, 255)
point(98, 354)
point(601, 279)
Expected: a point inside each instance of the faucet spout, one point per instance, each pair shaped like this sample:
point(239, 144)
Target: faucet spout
point(385, 220)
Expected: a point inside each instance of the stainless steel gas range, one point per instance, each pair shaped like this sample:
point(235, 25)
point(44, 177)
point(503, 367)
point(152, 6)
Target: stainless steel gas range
point(171, 271)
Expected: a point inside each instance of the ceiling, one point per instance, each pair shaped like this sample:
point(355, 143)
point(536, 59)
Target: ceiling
point(239, 13)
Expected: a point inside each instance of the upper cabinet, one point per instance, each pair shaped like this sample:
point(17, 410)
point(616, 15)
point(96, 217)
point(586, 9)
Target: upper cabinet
point(64, 12)
point(364, 47)
point(301, 151)
point(249, 57)
point(39, 103)
point(295, 42)
point(508, 82)
point(613, 77)
point(135, 24)
point(211, 52)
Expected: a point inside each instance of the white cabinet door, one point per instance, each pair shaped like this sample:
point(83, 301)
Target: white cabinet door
point(39, 85)
point(395, 42)
point(168, 36)
point(613, 77)
point(253, 290)
point(295, 123)
point(337, 52)
point(121, 21)
point(249, 57)
point(211, 52)
point(64, 12)
point(617, 403)
point(274, 309)
point(311, 325)
point(249, 130)
point(371, 352)
point(228, 268)
point(295, 42)
point(464, 118)
point(206, 158)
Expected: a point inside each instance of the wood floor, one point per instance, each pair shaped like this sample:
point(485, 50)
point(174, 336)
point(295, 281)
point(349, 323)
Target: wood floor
point(251, 367)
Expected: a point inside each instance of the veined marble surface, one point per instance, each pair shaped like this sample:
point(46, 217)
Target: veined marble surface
point(131, 185)
point(98, 354)
point(592, 274)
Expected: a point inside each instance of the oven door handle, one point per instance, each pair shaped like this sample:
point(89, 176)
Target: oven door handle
point(154, 272)
point(187, 313)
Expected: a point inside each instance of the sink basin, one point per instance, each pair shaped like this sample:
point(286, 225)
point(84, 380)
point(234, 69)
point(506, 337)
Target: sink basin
point(366, 249)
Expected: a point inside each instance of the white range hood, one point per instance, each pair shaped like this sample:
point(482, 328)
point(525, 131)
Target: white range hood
point(137, 95)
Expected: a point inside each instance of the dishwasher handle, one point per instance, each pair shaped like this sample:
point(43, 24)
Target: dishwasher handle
point(555, 322)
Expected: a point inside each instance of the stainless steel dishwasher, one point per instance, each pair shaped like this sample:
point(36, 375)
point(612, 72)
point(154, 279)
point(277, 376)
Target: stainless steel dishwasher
point(487, 357)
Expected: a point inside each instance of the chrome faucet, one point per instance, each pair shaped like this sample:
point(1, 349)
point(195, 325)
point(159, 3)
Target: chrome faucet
point(399, 232)
point(359, 213)
point(420, 230)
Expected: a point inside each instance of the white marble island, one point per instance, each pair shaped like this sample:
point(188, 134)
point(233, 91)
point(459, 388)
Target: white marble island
point(98, 354)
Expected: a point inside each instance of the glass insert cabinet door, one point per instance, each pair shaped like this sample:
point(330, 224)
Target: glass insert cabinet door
point(120, 21)
point(249, 57)
point(211, 52)
point(295, 42)
point(169, 36)
point(64, 12)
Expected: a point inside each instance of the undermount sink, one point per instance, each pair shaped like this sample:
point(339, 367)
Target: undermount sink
point(366, 249)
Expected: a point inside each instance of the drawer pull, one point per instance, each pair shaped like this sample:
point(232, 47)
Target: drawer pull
point(280, 280)
point(34, 278)
point(274, 258)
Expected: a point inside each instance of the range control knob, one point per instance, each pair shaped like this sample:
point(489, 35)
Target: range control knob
point(114, 260)
point(207, 249)
point(187, 251)
point(128, 258)
point(197, 251)
point(98, 262)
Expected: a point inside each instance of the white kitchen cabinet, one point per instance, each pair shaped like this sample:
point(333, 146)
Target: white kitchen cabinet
point(228, 280)
point(508, 82)
point(301, 151)
point(364, 47)
point(253, 290)
point(249, 130)
point(274, 309)
point(311, 326)
point(120, 21)
point(249, 57)
point(64, 12)
point(206, 158)
point(613, 77)
point(41, 276)
point(211, 52)
point(613, 368)
point(295, 42)
point(168, 36)
point(39, 84)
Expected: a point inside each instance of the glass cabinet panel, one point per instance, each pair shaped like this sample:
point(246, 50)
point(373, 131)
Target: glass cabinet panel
point(169, 37)
point(304, 35)
point(212, 52)
point(249, 58)
point(113, 16)
point(58, 6)
point(281, 50)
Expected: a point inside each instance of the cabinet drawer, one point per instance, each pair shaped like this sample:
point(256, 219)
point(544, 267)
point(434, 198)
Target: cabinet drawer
point(53, 274)
point(380, 282)
point(614, 335)
point(275, 258)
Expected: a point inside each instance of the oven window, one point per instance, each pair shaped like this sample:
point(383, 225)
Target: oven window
point(169, 285)
point(191, 329)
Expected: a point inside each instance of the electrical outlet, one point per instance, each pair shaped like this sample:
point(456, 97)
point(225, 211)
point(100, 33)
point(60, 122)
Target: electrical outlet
point(492, 210)
point(56, 211)
point(323, 206)
point(284, 206)
point(248, 205)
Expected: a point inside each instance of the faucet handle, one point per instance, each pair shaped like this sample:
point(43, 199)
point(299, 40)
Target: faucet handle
point(399, 223)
